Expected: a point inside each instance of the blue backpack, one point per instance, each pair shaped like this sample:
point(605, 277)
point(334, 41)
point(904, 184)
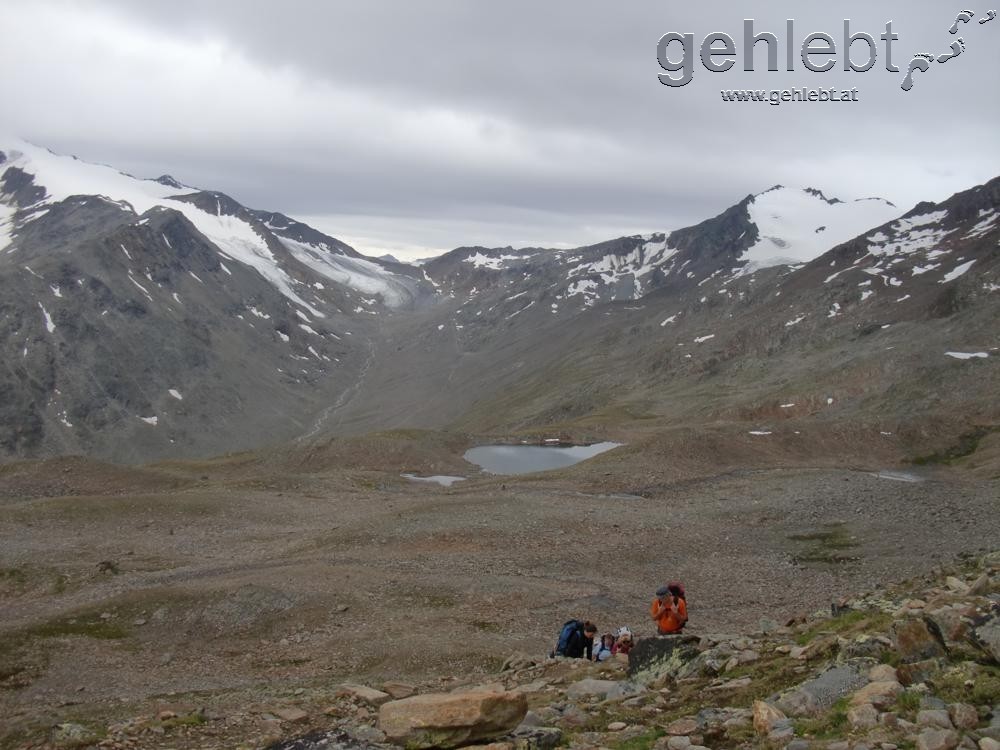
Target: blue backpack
point(570, 627)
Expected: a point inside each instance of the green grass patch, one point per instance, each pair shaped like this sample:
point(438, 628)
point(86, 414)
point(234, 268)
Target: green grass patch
point(831, 725)
point(191, 720)
point(25, 652)
point(853, 622)
point(641, 742)
point(977, 684)
point(100, 629)
point(907, 704)
point(827, 545)
point(966, 445)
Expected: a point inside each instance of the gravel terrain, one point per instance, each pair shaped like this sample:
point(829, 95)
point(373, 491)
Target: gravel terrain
point(239, 578)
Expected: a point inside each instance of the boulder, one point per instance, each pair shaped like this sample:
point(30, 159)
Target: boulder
point(820, 693)
point(589, 686)
point(781, 733)
point(882, 695)
point(538, 686)
point(957, 585)
point(934, 718)
point(68, 732)
point(662, 655)
point(937, 739)
point(952, 621)
point(914, 640)
point(364, 694)
point(981, 586)
point(766, 717)
point(883, 673)
point(624, 689)
point(683, 727)
point(398, 690)
point(986, 635)
point(864, 716)
point(917, 672)
point(452, 719)
point(988, 743)
point(536, 738)
point(963, 716)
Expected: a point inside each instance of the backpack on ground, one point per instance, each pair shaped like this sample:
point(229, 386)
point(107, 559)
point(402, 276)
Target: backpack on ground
point(568, 628)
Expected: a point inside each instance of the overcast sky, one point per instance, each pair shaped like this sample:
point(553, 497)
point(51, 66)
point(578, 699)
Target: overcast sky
point(415, 127)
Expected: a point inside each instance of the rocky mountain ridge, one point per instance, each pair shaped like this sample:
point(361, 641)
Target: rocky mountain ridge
point(146, 319)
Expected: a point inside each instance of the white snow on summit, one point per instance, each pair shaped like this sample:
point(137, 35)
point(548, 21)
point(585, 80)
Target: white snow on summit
point(796, 226)
point(65, 176)
point(484, 261)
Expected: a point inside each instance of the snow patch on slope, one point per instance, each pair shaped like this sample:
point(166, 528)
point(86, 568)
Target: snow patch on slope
point(795, 226)
point(64, 176)
point(363, 275)
point(484, 261)
point(6, 226)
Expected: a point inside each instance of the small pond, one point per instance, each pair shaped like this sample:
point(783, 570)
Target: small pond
point(524, 459)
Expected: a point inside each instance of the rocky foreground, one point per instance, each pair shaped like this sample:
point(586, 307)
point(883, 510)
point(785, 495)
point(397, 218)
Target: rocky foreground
point(914, 667)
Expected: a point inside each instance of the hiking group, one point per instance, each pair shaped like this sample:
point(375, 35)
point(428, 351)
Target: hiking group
point(576, 639)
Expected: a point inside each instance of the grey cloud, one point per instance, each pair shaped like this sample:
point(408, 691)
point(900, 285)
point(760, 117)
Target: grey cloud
point(475, 115)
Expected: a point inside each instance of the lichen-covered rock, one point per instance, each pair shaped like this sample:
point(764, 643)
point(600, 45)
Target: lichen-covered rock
point(663, 655)
point(536, 738)
point(452, 719)
point(820, 693)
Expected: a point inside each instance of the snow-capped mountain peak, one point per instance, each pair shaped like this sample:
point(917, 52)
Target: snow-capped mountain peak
point(240, 235)
point(798, 225)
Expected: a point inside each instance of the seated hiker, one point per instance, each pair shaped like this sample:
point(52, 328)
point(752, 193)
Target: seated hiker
point(604, 649)
point(623, 641)
point(576, 640)
point(669, 608)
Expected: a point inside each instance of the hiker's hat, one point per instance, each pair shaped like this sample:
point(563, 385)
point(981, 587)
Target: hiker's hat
point(663, 591)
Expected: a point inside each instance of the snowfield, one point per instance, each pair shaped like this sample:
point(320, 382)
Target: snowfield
point(796, 226)
point(236, 238)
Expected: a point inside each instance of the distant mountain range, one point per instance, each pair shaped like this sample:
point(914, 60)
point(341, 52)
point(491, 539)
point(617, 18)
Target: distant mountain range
point(145, 319)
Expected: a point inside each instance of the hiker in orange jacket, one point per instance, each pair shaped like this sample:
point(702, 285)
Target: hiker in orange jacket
point(669, 609)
